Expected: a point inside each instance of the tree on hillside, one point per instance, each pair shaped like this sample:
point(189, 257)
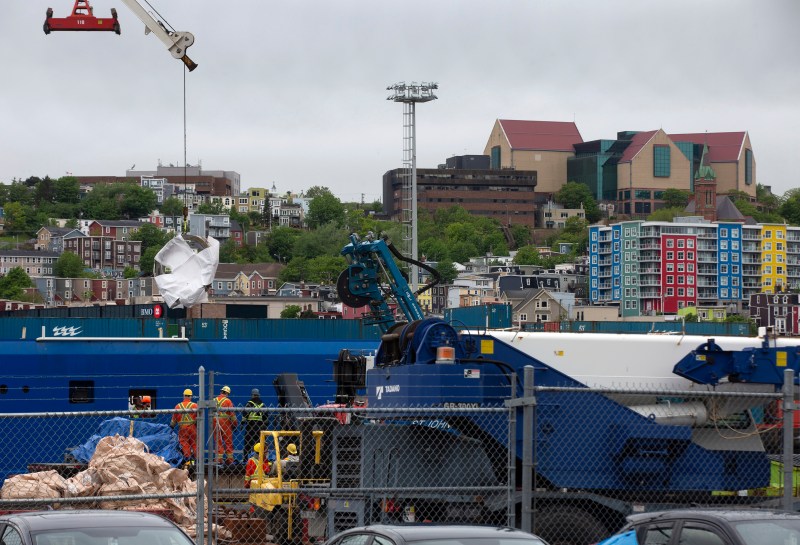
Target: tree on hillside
point(447, 270)
point(742, 201)
point(44, 192)
point(13, 283)
point(315, 191)
point(767, 201)
point(675, 198)
point(151, 236)
point(521, 234)
point(295, 271)
point(527, 255)
point(433, 249)
point(172, 206)
point(790, 209)
point(461, 252)
point(255, 253)
point(137, 201)
point(666, 214)
point(323, 209)
point(103, 202)
point(325, 240)
point(17, 218)
point(325, 269)
point(148, 260)
point(214, 208)
point(69, 265)
point(574, 195)
point(67, 190)
point(291, 312)
point(19, 192)
point(280, 242)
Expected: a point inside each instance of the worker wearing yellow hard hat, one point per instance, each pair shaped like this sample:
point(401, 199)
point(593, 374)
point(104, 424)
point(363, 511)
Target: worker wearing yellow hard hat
point(250, 472)
point(185, 418)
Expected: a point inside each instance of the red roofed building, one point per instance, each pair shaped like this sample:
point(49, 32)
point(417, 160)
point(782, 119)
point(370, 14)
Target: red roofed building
point(730, 154)
point(541, 146)
point(649, 165)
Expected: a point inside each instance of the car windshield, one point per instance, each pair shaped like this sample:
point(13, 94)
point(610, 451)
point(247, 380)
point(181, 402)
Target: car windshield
point(112, 536)
point(769, 532)
point(482, 541)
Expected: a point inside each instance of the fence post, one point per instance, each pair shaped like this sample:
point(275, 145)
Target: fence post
point(527, 451)
point(212, 453)
point(512, 456)
point(788, 439)
point(200, 466)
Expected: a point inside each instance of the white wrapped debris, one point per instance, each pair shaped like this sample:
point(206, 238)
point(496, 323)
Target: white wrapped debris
point(186, 273)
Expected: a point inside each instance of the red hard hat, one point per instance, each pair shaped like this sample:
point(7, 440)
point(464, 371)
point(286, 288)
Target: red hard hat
point(145, 399)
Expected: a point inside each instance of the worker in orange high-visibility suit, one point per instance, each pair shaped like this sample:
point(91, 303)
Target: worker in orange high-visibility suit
point(225, 422)
point(187, 426)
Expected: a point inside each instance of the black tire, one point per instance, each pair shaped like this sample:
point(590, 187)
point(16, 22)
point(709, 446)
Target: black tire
point(46, 28)
point(114, 13)
point(49, 12)
point(117, 29)
point(565, 525)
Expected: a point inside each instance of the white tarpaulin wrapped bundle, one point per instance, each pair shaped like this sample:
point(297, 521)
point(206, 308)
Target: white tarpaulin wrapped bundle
point(186, 272)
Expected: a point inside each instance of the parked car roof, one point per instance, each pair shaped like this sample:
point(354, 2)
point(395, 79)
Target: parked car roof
point(409, 533)
point(65, 520)
point(85, 525)
point(732, 515)
point(725, 526)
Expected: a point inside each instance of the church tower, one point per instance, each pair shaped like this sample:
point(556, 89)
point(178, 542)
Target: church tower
point(705, 188)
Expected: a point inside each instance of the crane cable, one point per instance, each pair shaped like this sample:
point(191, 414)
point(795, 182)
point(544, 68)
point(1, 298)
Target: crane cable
point(167, 26)
point(160, 18)
point(185, 226)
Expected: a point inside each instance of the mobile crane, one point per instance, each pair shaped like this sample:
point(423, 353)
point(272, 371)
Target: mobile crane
point(597, 459)
point(83, 19)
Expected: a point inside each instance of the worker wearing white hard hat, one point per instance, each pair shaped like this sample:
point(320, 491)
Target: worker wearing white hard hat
point(225, 422)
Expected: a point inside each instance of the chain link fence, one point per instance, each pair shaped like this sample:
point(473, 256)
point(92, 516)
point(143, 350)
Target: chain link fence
point(566, 463)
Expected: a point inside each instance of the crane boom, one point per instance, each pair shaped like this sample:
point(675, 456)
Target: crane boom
point(177, 42)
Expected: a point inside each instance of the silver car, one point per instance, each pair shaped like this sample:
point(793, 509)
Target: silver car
point(89, 527)
point(434, 534)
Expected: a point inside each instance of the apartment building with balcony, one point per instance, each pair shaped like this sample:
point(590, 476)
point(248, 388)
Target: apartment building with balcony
point(661, 267)
point(105, 254)
point(210, 225)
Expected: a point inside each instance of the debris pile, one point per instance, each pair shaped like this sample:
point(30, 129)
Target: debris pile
point(120, 466)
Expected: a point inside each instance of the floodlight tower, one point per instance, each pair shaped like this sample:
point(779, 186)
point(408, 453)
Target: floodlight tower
point(409, 95)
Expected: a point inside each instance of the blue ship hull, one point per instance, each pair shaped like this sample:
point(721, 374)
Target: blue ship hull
point(59, 366)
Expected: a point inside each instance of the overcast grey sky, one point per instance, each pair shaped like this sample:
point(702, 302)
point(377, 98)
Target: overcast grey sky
point(293, 92)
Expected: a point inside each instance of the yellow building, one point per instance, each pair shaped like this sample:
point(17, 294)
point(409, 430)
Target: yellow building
point(258, 199)
point(773, 258)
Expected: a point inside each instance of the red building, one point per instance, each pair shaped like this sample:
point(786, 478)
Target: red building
point(678, 272)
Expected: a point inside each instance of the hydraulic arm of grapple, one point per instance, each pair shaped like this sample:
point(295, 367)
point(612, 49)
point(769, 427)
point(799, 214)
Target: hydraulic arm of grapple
point(371, 267)
point(83, 19)
point(710, 364)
